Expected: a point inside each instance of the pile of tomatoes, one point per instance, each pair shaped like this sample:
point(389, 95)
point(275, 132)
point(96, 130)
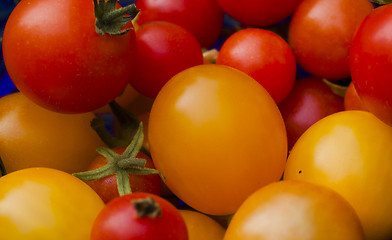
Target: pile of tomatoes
point(196, 119)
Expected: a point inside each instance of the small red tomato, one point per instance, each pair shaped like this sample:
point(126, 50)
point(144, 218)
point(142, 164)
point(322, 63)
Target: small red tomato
point(106, 187)
point(309, 101)
point(263, 55)
point(139, 216)
point(352, 101)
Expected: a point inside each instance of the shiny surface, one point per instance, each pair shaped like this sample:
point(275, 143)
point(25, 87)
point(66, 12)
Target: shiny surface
point(350, 152)
point(31, 136)
point(216, 135)
point(46, 204)
point(291, 210)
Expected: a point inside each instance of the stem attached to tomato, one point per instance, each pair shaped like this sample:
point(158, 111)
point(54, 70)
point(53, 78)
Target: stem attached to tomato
point(2, 168)
point(121, 165)
point(111, 20)
point(381, 2)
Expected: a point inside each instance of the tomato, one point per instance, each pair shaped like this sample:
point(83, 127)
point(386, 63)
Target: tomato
point(69, 63)
point(125, 99)
point(260, 12)
point(263, 55)
point(295, 210)
point(217, 136)
point(351, 99)
point(139, 216)
point(350, 152)
point(107, 187)
point(46, 204)
point(32, 136)
point(320, 34)
point(201, 226)
point(309, 101)
point(163, 49)
point(370, 62)
point(203, 18)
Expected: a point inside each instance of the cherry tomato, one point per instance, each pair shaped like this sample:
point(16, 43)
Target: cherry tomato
point(309, 101)
point(260, 12)
point(295, 210)
point(203, 18)
point(139, 216)
point(201, 226)
point(217, 136)
point(46, 204)
point(350, 152)
point(263, 55)
point(54, 55)
point(320, 34)
point(107, 187)
point(126, 99)
point(370, 62)
point(163, 49)
point(32, 136)
point(351, 99)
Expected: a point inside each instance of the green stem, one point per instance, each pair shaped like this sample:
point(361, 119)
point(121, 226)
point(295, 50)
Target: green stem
point(123, 185)
point(3, 171)
point(382, 2)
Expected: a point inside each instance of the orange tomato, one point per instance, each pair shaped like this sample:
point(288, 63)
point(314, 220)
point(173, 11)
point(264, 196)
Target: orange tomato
point(201, 226)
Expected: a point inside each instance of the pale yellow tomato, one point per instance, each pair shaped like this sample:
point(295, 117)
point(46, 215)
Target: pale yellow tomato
point(46, 204)
point(351, 153)
point(201, 226)
point(295, 210)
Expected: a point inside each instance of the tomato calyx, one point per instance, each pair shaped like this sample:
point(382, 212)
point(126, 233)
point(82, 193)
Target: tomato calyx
point(336, 88)
point(109, 19)
point(381, 2)
point(147, 207)
point(121, 165)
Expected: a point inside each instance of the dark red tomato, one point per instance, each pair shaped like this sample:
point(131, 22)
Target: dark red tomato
point(259, 12)
point(263, 55)
point(139, 216)
point(309, 101)
point(163, 50)
point(320, 34)
point(371, 62)
point(203, 18)
point(56, 58)
point(106, 187)
point(352, 100)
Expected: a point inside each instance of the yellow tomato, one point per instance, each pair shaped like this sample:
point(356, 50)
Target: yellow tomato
point(351, 153)
point(46, 204)
point(217, 136)
point(202, 227)
point(31, 136)
point(295, 210)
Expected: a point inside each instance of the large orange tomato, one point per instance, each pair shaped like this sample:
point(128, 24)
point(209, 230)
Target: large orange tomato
point(31, 136)
point(350, 152)
point(217, 136)
point(46, 204)
point(201, 226)
point(297, 210)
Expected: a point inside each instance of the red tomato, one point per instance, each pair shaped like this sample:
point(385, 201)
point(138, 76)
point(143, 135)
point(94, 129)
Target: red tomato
point(163, 49)
point(308, 102)
point(371, 62)
point(55, 57)
point(351, 99)
point(260, 12)
point(263, 55)
point(106, 187)
point(139, 216)
point(203, 18)
point(320, 34)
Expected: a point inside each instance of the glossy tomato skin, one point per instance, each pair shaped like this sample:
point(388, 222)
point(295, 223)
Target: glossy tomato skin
point(163, 50)
point(295, 210)
point(370, 62)
point(260, 12)
point(350, 152)
point(119, 221)
point(321, 32)
point(32, 136)
point(71, 68)
point(46, 204)
point(201, 226)
point(106, 187)
point(213, 129)
point(309, 101)
point(351, 99)
point(203, 18)
point(263, 55)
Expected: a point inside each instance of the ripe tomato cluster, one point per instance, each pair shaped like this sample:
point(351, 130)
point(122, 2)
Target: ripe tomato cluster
point(196, 119)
